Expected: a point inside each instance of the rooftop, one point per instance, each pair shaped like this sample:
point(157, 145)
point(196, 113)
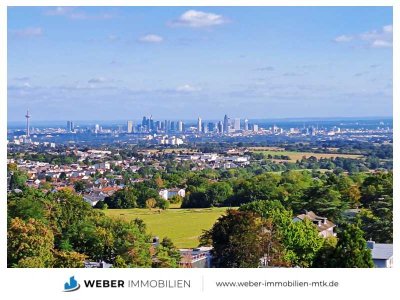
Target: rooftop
point(380, 251)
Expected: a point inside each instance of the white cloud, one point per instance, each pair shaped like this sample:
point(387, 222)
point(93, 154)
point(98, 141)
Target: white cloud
point(343, 38)
point(59, 11)
point(381, 44)
point(151, 38)
point(388, 28)
point(28, 32)
point(73, 13)
point(187, 88)
point(376, 38)
point(198, 19)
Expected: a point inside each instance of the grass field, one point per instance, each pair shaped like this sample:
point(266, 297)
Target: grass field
point(183, 226)
point(294, 156)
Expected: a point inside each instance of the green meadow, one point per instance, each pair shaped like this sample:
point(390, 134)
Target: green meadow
point(182, 226)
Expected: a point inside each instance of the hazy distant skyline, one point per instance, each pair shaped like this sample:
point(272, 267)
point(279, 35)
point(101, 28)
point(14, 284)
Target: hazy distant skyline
point(116, 63)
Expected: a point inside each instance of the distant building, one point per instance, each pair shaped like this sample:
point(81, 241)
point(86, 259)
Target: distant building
point(236, 124)
point(169, 193)
point(196, 258)
point(220, 127)
point(199, 125)
point(226, 124)
point(70, 126)
point(324, 226)
point(180, 126)
point(97, 128)
point(246, 124)
point(255, 127)
point(382, 254)
point(129, 126)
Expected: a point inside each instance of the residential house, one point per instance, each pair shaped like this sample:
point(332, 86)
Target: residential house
point(324, 226)
point(382, 254)
point(169, 193)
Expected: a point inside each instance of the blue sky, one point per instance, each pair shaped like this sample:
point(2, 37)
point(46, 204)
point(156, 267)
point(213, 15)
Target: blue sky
point(118, 63)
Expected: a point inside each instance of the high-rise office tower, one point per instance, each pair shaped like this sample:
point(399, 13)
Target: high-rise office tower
point(220, 127)
point(211, 127)
point(180, 126)
point(246, 124)
point(226, 124)
point(70, 126)
point(255, 127)
point(236, 124)
point(199, 127)
point(129, 126)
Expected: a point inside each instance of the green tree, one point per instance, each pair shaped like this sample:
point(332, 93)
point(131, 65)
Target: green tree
point(351, 250)
point(300, 240)
point(240, 239)
point(325, 201)
point(167, 255)
point(18, 180)
point(125, 198)
point(29, 244)
point(79, 186)
point(65, 259)
point(324, 257)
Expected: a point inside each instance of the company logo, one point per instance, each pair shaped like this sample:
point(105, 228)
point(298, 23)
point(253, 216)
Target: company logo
point(72, 285)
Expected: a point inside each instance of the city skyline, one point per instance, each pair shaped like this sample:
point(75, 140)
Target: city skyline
point(268, 63)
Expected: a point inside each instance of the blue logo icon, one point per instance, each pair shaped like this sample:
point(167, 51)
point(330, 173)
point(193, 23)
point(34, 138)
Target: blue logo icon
point(72, 285)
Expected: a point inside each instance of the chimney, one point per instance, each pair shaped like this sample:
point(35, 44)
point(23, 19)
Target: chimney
point(370, 244)
point(324, 220)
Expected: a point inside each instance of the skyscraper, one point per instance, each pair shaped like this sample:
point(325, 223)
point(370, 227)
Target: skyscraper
point(70, 126)
point(236, 125)
point(27, 116)
point(220, 127)
point(199, 125)
point(246, 124)
point(226, 124)
point(129, 126)
point(211, 126)
point(180, 126)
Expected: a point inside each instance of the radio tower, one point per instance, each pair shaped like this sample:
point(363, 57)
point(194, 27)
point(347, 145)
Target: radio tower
point(27, 116)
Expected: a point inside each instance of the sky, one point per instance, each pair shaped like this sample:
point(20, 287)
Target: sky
point(121, 63)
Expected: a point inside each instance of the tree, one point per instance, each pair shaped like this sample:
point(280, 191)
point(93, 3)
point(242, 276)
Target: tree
point(162, 203)
point(167, 255)
point(240, 239)
point(151, 203)
point(218, 192)
point(300, 240)
point(66, 230)
point(18, 180)
point(324, 201)
point(125, 198)
point(324, 257)
point(176, 199)
point(79, 186)
point(158, 181)
point(63, 176)
point(65, 259)
point(351, 250)
point(29, 244)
